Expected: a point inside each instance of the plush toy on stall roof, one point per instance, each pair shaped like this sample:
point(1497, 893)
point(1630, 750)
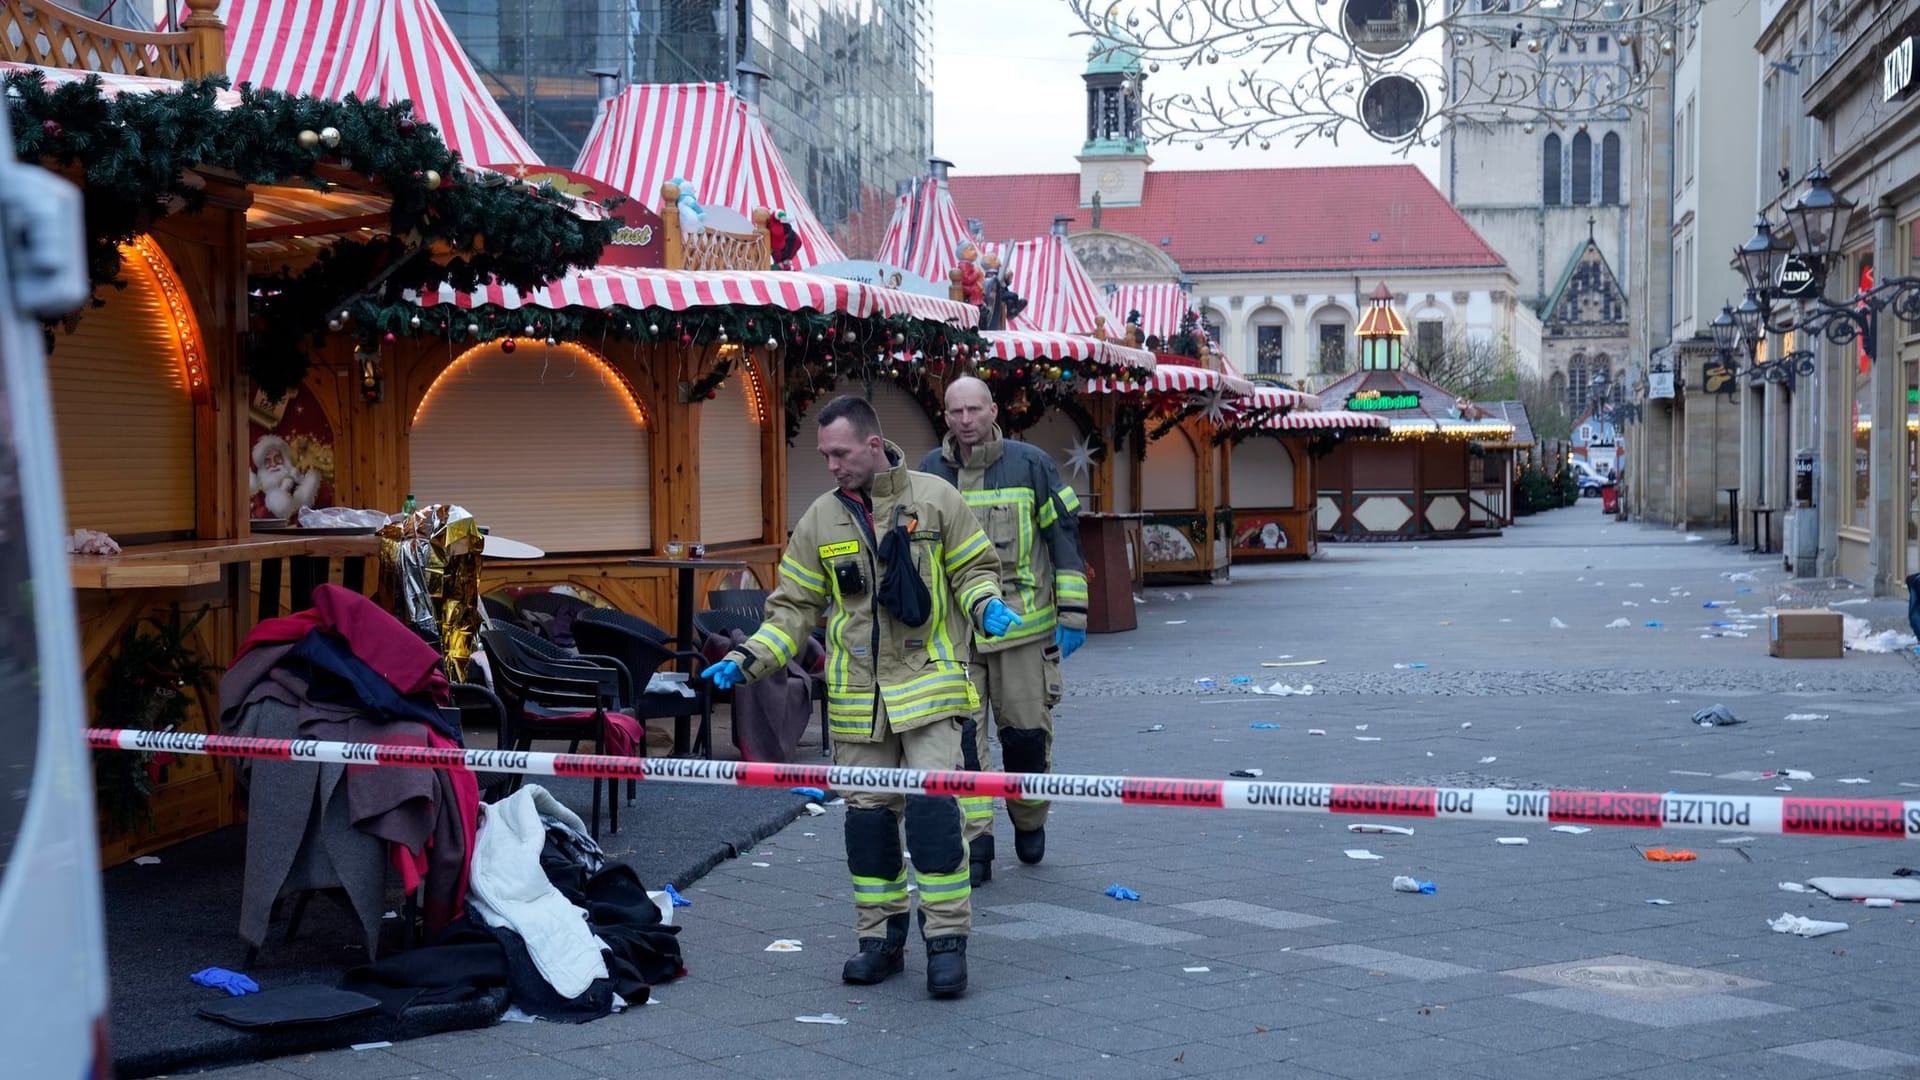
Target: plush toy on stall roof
point(1136, 335)
point(784, 239)
point(691, 212)
point(999, 304)
point(972, 282)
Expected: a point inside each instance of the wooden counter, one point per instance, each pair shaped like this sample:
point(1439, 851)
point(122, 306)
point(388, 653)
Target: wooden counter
point(199, 562)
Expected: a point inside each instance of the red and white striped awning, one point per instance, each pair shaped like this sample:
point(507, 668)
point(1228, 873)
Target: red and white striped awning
point(938, 233)
point(113, 85)
point(1160, 306)
point(606, 287)
point(1266, 396)
point(1326, 420)
point(707, 135)
point(1184, 379)
point(377, 50)
point(896, 244)
point(1039, 345)
point(1060, 296)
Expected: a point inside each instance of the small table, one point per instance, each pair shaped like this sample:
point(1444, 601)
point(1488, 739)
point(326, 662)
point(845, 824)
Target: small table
point(1762, 530)
point(686, 568)
point(1733, 515)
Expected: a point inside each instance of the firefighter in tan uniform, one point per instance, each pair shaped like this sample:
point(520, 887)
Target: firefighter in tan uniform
point(904, 575)
point(1033, 520)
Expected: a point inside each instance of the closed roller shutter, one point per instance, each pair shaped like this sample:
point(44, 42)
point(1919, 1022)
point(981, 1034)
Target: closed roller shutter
point(1123, 467)
point(729, 468)
point(807, 475)
point(1262, 474)
point(541, 445)
point(124, 416)
point(1167, 480)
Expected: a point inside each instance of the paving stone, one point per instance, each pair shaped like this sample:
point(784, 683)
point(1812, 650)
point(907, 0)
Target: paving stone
point(1850, 1055)
point(1663, 1013)
point(1399, 964)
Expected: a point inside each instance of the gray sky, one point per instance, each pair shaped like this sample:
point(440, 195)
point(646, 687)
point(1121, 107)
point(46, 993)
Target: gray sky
point(1008, 98)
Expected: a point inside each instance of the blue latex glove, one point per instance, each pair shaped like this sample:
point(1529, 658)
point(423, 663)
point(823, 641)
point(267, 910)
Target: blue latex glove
point(724, 675)
point(219, 978)
point(1069, 640)
point(1121, 892)
point(998, 619)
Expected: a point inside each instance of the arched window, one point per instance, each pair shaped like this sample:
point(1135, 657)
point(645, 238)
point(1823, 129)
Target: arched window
point(1610, 169)
point(1577, 385)
point(1582, 166)
point(1550, 171)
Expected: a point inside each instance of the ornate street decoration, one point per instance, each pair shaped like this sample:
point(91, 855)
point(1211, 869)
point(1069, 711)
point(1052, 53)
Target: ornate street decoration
point(1400, 70)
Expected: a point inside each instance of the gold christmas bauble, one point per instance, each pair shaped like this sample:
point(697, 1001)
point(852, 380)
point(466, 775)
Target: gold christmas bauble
point(433, 180)
point(309, 139)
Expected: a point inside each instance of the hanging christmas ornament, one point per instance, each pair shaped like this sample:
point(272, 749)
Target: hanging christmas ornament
point(309, 139)
point(52, 129)
point(406, 126)
point(473, 329)
point(530, 330)
point(330, 136)
point(552, 341)
point(414, 322)
point(389, 337)
point(772, 344)
point(333, 325)
point(508, 345)
point(432, 179)
point(653, 329)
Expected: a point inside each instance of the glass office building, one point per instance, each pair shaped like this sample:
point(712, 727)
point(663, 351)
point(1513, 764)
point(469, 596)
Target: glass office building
point(849, 104)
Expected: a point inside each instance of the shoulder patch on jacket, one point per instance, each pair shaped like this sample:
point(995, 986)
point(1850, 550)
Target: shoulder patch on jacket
point(844, 547)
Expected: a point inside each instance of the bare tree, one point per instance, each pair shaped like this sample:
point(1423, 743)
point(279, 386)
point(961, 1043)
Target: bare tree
point(1486, 370)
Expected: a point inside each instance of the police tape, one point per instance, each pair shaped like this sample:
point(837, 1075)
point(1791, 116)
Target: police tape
point(1891, 819)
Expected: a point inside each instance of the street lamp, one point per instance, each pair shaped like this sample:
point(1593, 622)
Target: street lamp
point(1760, 257)
point(1819, 217)
point(1726, 332)
point(1751, 318)
point(1612, 396)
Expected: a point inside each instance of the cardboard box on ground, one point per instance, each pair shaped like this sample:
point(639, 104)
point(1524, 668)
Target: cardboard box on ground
point(1806, 635)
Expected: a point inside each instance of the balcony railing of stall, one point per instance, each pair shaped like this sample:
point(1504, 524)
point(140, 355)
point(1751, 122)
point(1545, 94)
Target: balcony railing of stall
point(48, 35)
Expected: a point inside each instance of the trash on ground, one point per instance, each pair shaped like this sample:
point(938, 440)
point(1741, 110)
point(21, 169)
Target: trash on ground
point(1176, 622)
point(517, 1015)
point(783, 945)
point(1652, 624)
point(1410, 667)
point(1793, 886)
point(1283, 690)
point(1716, 716)
point(219, 978)
point(1660, 903)
point(1809, 716)
point(1121, 892)
point(1390, 830)
point(381, 1045)
point(1556, 624)
point(1247, 774)
point(1241, 680)
point(1466, 725)
point(1789, 923)
point(673, 894)
point(1859, 636)
point(1878, 901)
point(1316, 731)
point(1407, 884)
point(1262, 725)
point(147, 860)
point(1783, 787)
point(1894, 888)
point(1511, 841)
point(1694, 538)
point(1363, 855)
point(1488, 760)
point(1196, 970)
point(823, 1018)
point(1737, 840)
point(814, 793)
point(1688, 772)
point(1154, 728)
point(1853, 780)
point(1711, 604)
point(1366, 738)
point(764, 865)
point(1796, 774)
point(1575, 830)
point(1663, 855)
point(1290, 663)
point(814, 809)
point(1618, 624)
point(1629, 603)
point(1204, 684)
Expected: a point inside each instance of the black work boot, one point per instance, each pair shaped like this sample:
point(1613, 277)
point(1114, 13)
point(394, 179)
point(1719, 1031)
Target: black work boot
point(980, 860)
point(880, 957)
point(947, 966)
point(1030, 844)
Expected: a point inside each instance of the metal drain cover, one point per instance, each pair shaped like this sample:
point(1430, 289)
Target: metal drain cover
point(1636, 978)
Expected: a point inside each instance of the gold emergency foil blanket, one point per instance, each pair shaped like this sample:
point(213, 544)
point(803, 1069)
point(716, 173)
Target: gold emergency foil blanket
point(430, 573)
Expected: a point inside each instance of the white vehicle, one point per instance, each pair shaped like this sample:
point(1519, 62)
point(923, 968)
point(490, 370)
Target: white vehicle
point(53, 971)
point(1591, 480)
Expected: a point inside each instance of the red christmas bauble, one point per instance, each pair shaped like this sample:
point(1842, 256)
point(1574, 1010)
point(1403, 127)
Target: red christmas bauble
point(52, 129)
point(508, 345)
point(686, 339)
point(406, 126)
point(391, 338)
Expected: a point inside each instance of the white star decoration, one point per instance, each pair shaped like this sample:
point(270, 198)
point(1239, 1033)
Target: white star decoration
point(1080, 457)
point(1214, 405)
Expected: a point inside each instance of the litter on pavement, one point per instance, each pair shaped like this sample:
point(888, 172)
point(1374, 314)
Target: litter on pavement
point(1154, 728)
point(1366, 738)
point(1390, 830)
point(1247, 774)
point(1809, 716)
point(1894, 888)
point(1716, 716)
point(1878, 902)
point(1660, 903)
point(1407, 884)
point(1121, 892)
point(1576, 830)
point(1363, 855)
point(1290, 663)
point(823, 1018)
point(1262, 725)
point(1556, 623)
point(1793, 886)
point(1618, 624)
point(814, 793)
point(1789, 923)
point(1511, 841)
point(1663, 855)
point(1196, 970)
point(1316, 731)
point(1853, 780)
point(673, 894)
point(1488, 760)
point(1283, 690)
point(784, 945)
point(1796, 774)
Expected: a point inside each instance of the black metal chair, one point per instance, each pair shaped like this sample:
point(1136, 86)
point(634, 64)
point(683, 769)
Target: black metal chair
point(497, 610)
point(480, 709)
point(738, 598)
point(721, 622)
point(634, 624)
point(612, 634)
point(540, 652)
point(544, 699)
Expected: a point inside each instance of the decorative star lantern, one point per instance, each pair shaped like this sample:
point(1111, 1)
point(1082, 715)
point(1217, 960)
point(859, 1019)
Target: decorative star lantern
point(1080, 458)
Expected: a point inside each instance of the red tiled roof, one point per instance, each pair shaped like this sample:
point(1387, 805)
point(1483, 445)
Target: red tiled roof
point(1312, 218)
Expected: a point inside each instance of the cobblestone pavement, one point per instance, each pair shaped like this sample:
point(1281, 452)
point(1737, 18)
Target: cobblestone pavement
point(1259, 948)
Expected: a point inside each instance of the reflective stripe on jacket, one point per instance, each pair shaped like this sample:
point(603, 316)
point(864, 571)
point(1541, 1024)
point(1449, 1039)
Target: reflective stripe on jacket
point(1033, 520)
point(918, 672)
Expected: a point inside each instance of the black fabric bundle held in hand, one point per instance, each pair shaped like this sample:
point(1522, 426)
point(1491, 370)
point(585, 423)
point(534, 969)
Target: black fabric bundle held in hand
point(901, 591)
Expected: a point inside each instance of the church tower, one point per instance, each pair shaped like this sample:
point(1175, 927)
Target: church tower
point(1114, 159)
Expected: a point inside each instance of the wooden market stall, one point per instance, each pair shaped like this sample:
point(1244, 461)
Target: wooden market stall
point(1275, 467)
point(1427, 477)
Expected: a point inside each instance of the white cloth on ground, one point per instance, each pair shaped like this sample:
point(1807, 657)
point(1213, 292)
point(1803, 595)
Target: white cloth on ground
point(507, 888)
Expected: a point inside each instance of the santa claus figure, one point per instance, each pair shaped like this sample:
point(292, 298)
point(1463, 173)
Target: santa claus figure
point(970, 279)
point(277, 487)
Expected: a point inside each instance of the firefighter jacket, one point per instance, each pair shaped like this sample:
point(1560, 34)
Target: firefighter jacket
point(832, 566)
point(1034, 522)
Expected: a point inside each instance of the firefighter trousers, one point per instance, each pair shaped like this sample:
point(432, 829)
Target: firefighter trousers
point(933, 828)
point(1019, 687)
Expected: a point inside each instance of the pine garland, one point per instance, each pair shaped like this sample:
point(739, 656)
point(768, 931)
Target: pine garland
point(134, 153)
point(150, 686)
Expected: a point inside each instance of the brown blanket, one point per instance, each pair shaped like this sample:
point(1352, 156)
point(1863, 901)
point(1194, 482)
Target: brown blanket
point(770, 715)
